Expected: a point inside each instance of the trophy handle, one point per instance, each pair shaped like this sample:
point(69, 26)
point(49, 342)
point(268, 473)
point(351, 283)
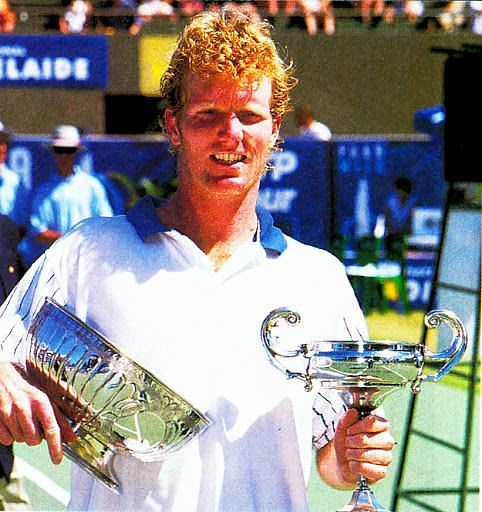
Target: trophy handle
point(273, 346)
point(452, 354)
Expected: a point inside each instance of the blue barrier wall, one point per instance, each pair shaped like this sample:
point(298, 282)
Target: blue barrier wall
point(315, 189)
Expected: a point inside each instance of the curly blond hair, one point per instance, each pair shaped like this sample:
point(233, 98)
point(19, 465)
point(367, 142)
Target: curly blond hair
point(230, 44)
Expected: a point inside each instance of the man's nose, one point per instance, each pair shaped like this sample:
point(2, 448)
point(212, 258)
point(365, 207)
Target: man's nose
point(232, 127)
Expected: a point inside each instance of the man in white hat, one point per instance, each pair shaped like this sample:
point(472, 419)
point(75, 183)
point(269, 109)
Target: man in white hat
point(67, 197)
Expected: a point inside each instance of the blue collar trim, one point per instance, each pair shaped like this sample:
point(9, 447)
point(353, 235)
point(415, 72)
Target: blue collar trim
point(143, 217)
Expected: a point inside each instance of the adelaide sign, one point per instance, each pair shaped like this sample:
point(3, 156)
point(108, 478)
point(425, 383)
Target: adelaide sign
point(54, 61)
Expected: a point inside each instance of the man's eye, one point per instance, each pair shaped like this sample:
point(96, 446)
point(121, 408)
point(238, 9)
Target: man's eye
point(248, 117)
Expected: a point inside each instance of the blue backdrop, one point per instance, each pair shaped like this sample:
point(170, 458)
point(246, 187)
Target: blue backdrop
point(315, 188)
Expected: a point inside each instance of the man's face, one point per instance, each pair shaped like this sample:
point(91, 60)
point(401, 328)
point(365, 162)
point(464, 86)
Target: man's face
point(224, 134)
point(64, 160)
point(3, 152)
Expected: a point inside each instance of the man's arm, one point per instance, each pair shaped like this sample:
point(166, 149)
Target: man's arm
point(28, 416)
point(47, 237)
point(359, 447)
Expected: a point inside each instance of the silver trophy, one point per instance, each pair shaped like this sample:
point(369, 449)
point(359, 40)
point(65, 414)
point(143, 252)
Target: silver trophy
point(365, 372)
point(114, 405)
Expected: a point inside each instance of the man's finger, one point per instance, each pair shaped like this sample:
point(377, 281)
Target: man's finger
point(378, 457)
point(5, 437)
point(67, 434)
point(370, 423)
point(51, 430)
point(381, 440)
point(372, 472)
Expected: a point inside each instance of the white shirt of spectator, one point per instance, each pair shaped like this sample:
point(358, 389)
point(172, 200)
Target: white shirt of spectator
point(316, 131)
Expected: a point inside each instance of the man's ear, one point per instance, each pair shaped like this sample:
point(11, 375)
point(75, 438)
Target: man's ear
point(170, 122)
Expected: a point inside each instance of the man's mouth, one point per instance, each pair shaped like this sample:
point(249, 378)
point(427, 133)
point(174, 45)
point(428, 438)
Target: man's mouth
point(228, 158)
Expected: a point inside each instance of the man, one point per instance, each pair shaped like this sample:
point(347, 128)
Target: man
point(398, 210)
point(309, 127)
point(67, 197)
point(183, 287)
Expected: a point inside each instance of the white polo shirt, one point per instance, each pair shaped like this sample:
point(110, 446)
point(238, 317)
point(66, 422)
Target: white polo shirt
point(154, 293)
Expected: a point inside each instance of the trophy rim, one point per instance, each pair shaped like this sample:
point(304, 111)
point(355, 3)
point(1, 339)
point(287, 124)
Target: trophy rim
point(374, 349)
point(49, 300)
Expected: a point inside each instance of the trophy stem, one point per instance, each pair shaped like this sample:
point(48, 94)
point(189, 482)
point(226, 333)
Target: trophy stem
point(363, 499)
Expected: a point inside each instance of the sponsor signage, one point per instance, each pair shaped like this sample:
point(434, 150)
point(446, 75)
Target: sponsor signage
point(54, 61)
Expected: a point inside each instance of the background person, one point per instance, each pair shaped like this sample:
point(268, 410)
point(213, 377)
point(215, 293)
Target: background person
point(7, 17)
point(176, 285)
point(309, 127)
point(14, 197)
point(398, 214)
point(68, 196)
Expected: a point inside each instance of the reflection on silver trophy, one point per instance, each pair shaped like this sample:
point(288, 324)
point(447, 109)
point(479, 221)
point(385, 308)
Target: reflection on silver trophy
point(365, 372)
point(114, 405)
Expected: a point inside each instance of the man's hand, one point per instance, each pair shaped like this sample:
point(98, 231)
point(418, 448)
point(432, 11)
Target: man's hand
point(28, 416)
point(359, 447)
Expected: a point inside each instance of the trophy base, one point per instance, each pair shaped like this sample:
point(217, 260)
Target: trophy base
point(94, 458)
point(363, 500)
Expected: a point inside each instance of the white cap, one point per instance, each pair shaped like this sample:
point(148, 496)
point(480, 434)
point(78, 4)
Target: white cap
point(66, 136)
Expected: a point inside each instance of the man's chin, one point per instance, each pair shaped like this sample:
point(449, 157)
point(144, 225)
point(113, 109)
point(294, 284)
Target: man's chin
point(228, 185)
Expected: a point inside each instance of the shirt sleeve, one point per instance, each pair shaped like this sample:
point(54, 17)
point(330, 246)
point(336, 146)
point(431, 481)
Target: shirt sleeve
point(19, 308)
point(101, 205)
point(42, 216)
point(328, 408)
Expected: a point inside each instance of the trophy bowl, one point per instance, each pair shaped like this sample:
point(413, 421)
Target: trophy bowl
point(364, 371)
point(114, 405)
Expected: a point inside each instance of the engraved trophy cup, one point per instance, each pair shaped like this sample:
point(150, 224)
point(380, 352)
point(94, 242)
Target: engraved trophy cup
point(114, 405)
point(365, 372)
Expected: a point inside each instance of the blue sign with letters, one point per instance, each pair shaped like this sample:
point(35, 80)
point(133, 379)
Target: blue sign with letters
point(54, 61)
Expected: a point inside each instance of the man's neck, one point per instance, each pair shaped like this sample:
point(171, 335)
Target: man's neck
point(218, 226)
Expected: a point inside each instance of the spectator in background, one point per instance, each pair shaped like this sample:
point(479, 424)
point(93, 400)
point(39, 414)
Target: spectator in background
point(309, 127)
point(189, 8)
point(67, 197)
point(476, 17)
point(149, 9)
point(413, 9)
point(452, 16)
point(14, 197)
point(122, 20)
point(7, 17)
point(398, 213)
point(372, 11)
point(314, 10)
point(75, 18)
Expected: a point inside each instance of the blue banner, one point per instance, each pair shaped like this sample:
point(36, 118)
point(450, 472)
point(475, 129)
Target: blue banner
point(313, 186)
point(54, 61)
point(297, 191)
point(364, 172)
point(299, 170)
